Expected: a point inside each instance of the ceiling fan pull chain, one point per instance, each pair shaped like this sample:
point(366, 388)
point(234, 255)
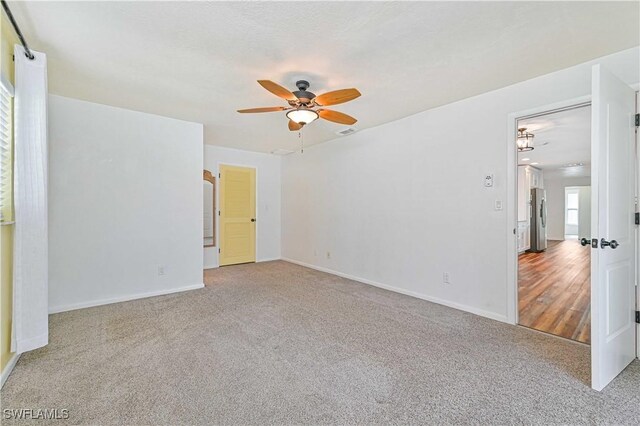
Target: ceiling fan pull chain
point(301, 137)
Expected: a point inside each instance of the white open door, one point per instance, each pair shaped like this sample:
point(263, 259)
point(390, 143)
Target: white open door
point(637, 227)
point(613, 331)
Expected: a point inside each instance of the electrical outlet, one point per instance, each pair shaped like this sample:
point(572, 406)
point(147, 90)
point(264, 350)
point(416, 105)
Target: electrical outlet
point(160, 270)
point(328, 255)
point(445, 278)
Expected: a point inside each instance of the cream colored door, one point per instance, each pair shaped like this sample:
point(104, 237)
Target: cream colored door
point(237, 215)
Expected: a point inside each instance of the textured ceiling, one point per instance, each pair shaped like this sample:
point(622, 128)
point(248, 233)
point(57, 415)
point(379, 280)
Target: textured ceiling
point(199, 61)
point(562, 141)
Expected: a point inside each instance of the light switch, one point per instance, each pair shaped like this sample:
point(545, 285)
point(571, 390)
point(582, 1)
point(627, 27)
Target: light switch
point(498, 205)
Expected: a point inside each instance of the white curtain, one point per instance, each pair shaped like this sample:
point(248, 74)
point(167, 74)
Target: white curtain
point(30, 248)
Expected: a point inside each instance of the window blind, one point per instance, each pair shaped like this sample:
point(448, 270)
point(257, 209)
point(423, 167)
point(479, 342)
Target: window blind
point(6, 136)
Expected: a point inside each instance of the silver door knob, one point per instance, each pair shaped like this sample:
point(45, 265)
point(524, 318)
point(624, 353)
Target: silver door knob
point(604, 243)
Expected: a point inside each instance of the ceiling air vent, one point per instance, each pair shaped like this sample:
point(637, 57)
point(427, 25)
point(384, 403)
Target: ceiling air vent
point(281, 152)
point(346, 132)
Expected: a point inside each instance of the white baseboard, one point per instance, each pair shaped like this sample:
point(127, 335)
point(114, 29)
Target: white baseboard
point(270, 259)
point(459, 306)
point(90, 304)
point(8, 369)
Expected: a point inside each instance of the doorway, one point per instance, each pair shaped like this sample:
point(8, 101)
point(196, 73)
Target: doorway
point(237, 215)
point(577, 211)
point(614, 232)
point(553, 199)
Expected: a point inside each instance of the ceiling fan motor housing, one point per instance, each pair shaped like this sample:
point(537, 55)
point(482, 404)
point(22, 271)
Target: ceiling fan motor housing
point(302, 94)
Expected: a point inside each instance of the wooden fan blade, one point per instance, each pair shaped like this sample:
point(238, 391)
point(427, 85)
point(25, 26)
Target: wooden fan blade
point(336, 117)
point(337, 97)
point(278, 90)
point(266, 109)
point(293, 126)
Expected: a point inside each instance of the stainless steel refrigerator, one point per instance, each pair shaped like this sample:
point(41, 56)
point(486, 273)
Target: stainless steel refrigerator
point(538, 221)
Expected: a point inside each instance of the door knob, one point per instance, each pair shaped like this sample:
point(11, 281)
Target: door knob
point(604, 243)
point(253, 220)
point(585, 242)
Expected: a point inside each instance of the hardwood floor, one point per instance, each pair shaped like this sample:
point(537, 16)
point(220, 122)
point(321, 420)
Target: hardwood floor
point(554, 290)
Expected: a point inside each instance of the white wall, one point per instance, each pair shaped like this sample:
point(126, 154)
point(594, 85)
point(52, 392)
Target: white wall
point(268, 198)
point(584, 212)
point(399, 204)
point(125, 198)
point(554, 187)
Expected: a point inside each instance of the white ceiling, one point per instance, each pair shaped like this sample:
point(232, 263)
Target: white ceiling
point(199, 61)
point(562, 141)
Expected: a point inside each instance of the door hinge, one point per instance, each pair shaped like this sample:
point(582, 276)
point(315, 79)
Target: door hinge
point(219, 251)
point(637, 120)
point(638, 317)
point(219, 176)
point(637, 218)
point(218, 212)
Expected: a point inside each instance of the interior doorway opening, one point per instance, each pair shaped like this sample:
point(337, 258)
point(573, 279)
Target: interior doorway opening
point(553, 211)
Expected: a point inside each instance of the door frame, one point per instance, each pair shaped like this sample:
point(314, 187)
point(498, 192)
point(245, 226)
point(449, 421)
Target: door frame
point(512, 194)
point(217, 201)
point(637, 233)
point(512, 200)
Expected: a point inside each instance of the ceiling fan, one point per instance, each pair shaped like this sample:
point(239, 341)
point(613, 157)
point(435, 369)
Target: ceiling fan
point(302, 104)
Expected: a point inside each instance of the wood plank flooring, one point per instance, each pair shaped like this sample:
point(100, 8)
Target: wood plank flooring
point(554, 290)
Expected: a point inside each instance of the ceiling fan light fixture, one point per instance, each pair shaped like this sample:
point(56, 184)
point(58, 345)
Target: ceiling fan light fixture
point(524, 140)
point(302, 115)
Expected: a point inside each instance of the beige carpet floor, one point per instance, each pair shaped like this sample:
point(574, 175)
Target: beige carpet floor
point(276, 343)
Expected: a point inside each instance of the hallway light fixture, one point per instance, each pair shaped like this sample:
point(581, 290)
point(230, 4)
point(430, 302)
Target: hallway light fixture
point(524, 140)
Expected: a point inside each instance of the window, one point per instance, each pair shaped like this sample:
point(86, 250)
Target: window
point(6, 164)
point(572, 208)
